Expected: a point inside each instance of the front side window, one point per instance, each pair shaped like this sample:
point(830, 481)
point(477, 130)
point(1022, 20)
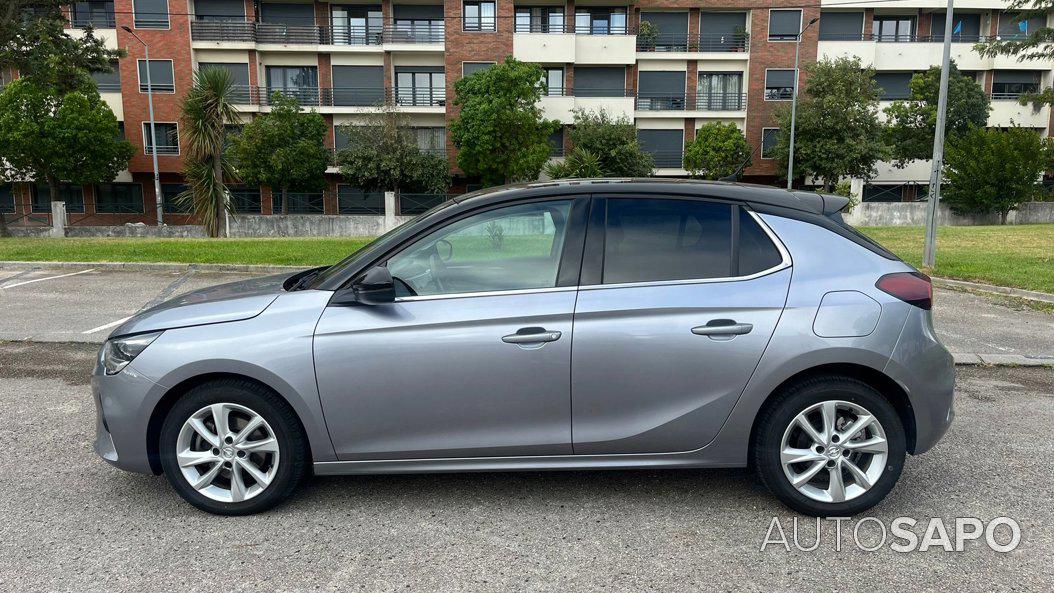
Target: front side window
point(779, 85)
point(651, 240)
point(479, 16)
point(512, 248)
point(150, 14)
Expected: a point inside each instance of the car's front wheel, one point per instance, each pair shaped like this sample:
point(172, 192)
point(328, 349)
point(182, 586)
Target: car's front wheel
point(830, 446)
point(232, 447)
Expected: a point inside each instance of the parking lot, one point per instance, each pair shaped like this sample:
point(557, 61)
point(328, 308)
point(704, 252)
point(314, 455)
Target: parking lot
point(70, 522)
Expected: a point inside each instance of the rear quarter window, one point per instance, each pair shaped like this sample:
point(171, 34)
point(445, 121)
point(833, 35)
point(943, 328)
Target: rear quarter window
point(757, 253)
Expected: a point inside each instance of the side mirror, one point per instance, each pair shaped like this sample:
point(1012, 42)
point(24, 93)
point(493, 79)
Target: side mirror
point(375, 287)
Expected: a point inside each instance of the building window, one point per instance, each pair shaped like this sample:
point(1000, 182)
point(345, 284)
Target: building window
point(219, 10)
point(661, 90)
point(722, 31)
point(601, 21)
point(841, 26)
point(357, 25)
point(671, 31)
point(161, 77)
point(894, 85)
point(556, 142)
point(169, 203)
point(665, 146)
point(966, 27)
point(720, 91)
point(118, 198)
point(784, 25)
point(240, 93)
point(430, 140)
point(421, 86)
point(167, 139)
point(7, 198)
point(779, 85)
point(769, 137)
point(73, 195)
point(150, 14)
point(1012, 27)
point(893, 28)
point(108, 82)
point(539, 19)
point(1011, 84)
point(554, 82)
point(299, 82)
point(358, 85)
point(600, 81)
point(97, 14)
point(418, 23)
point(479, 16)
point(470, 68)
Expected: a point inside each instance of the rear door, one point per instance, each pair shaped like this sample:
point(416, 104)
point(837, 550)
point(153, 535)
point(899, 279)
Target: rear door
point(678, 301)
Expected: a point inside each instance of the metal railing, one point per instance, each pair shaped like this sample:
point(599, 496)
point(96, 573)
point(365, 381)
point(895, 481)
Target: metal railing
point(433, 31)
point(1009, 96)
point(704, 43)
point(245, 200)
point(102, 207)
point(779, 94)
point(158, 87)
point(902, 38)
point(660, 101)
point(110, 87)
point(151, 20)
point(162, 150)
point(313, 96)
point(299, 202)
point(420, 97)
point(353, 201)
point(95, 20)
point(542, 26)
point(412, 204)
point(721, 102)
point(668, 159)
point(408, 31)
point(230, 31)
point(600, 92)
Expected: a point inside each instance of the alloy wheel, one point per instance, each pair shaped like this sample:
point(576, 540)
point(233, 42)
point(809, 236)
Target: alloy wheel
point(834, 451)
point(227, 452)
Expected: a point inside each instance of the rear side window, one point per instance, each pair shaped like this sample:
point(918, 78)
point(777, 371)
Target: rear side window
point(649, 240)
point(756, 251)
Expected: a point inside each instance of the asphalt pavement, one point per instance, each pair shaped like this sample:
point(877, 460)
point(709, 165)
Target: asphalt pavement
point(83, 304)
point(73, 523)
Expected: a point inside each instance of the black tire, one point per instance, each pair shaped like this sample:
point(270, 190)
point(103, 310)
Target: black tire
point(294, 455)
point(778, 416)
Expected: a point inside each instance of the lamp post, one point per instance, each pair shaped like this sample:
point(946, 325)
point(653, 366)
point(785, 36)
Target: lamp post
point(929, 253)
point(794, 102)
point(153, 131)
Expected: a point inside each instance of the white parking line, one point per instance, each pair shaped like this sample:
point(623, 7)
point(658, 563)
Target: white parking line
point(107, 326)
point(46, 278)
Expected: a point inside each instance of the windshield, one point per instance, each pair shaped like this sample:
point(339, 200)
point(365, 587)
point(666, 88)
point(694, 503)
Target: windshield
point(351, 259)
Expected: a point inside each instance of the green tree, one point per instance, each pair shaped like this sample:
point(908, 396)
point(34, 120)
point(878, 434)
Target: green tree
point(383, 155)
point(34, 40)
point(991, 170)
point(911, 123)
point(500, 133)
point(838, 133)
point(53, 138)
point(284, 149)
point(717, 151)
point(207, 106)
point(1032, 40)
point(609, 142)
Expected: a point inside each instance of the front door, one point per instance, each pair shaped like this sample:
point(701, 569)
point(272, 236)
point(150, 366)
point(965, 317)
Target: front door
point(473, 358)
point(671, 320)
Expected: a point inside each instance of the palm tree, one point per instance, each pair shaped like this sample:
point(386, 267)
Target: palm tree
point(206, 108)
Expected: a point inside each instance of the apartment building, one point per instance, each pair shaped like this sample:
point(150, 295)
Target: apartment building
point(697, 62)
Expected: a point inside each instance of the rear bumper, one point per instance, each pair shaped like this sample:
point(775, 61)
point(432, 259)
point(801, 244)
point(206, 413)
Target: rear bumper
point(925, 368)
point(121, 420)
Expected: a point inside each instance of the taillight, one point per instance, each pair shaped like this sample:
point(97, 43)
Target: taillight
point(911, 287)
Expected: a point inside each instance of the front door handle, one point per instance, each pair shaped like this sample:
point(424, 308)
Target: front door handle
point(722, 327)
point(531, 335)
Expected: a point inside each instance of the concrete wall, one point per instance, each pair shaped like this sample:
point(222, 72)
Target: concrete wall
point(914, 214)
point(124, 230)
point(308, 225)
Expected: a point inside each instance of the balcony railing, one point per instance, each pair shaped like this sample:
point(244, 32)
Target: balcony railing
point(108, 87)
point(249, 31)
point(903, 38)
point(311, 96)
point(161, 150)
point(599, 92)
point(721, 102)
point(667, 159)
point(420, 97)
point(1007, 96)
point(704, 43)
point(660, 101)
point(95, 20)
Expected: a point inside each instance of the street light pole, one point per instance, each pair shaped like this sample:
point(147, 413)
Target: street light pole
point(929, 254)
point(153, 131)
point(794, 103)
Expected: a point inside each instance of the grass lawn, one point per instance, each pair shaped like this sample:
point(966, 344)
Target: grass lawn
point(1020, 256)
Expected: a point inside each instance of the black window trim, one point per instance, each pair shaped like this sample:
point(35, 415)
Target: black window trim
point(593, 259)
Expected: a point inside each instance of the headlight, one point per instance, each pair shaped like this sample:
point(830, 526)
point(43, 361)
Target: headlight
point(117, 353)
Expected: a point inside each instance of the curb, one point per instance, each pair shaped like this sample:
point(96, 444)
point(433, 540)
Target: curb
point(152, 266)
point(1030, 295)
point(1003, 360)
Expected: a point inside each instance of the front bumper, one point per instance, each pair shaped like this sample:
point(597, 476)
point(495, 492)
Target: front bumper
point(122, 418)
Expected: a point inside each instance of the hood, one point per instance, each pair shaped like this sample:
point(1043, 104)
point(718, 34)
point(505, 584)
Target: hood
point(233, 301)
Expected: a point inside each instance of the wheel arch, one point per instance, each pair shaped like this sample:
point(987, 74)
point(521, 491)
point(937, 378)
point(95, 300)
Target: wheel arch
point(879, 381)
point(172, 395)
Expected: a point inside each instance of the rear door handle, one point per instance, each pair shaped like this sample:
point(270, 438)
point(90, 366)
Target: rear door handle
point(723, 327)
point(531, 335)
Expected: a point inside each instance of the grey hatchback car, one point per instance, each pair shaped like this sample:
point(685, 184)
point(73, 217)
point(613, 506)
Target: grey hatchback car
point(577, 325)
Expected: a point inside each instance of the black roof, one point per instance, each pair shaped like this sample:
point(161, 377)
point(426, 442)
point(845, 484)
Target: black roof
point(741, 192)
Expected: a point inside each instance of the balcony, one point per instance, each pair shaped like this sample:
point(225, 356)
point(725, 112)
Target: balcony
point(660, 101)
point(1007, 111)
point(666, 44)
point(721, 102)
point(410, 32)
point(904, 52)
point(361, 97)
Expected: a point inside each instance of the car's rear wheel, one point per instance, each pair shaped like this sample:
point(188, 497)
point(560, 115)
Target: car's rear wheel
point(232, 447)
point(830, 446)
